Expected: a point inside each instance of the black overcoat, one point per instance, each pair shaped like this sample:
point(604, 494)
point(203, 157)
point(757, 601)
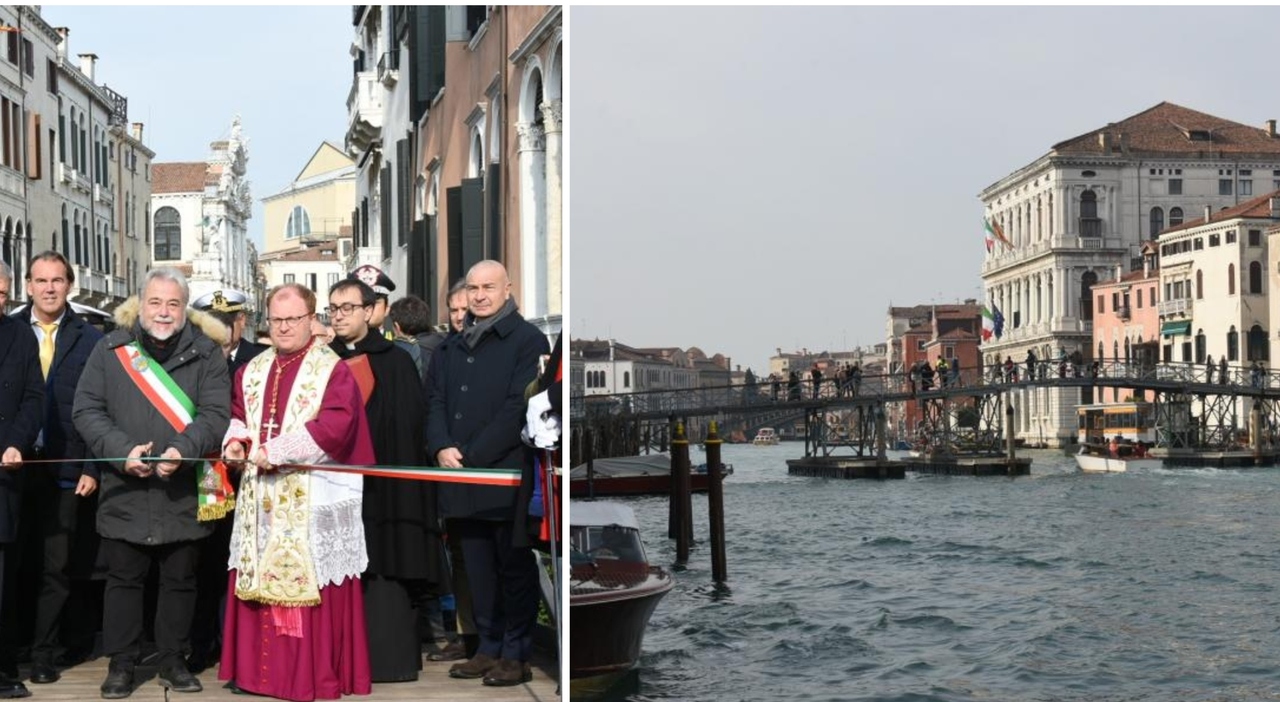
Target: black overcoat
point(21, 410)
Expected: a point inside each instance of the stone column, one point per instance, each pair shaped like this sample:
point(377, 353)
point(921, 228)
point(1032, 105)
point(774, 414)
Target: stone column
point(553, 126)
point(532, 157)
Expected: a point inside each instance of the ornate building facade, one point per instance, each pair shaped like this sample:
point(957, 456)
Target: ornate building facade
point(455, 127)
point(199, 215)
point(1083, 209)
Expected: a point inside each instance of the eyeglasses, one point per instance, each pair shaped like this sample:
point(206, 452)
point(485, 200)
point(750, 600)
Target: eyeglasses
point(286, 322)
point(345, 309)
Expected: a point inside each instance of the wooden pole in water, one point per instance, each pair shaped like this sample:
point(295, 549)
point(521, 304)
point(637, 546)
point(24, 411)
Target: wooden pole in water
point(1008, 429)
point(682, 508)
point(1255, 432)
point(881, 438)
point(588, 446)
point(715, 506)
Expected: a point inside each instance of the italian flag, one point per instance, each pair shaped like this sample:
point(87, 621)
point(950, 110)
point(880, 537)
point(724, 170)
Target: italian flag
point(988, 324)
point(994, 231)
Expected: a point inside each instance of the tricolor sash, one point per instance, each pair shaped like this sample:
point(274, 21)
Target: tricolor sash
point(214, 494)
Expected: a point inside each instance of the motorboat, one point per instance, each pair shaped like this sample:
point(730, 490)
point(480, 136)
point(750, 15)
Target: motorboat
point(613, 591)
point(1103, 463)
point(766, 437)
point(634, 475)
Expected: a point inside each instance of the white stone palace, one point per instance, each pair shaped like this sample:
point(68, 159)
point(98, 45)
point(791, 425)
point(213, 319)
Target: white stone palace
point(1082, 210)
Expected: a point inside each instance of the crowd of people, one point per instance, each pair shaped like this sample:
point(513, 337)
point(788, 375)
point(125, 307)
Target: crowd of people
point(207, 500)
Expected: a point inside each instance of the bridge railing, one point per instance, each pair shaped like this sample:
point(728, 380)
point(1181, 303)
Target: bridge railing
point(912, 382)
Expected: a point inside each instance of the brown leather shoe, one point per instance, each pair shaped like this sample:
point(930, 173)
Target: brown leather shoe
point(475, 668)
point(508, 673)
point(453, 651)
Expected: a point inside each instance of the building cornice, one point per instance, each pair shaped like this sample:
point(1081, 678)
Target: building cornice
point(80, 79)
point(536, 36)
point(30, 15)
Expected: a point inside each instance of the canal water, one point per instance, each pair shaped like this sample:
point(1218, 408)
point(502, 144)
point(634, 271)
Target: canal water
point(1161, 585)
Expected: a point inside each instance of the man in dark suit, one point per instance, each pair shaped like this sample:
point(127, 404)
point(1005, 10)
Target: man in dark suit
point(475, 411)
point(21, 409)
point(228, 306)
point(64, 340)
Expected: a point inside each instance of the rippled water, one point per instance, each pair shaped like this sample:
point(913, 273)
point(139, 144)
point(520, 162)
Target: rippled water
point(1059, 586)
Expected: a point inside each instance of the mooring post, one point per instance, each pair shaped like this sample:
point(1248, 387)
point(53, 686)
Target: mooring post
point(715, 505)
point(588, 445)
point(647, 441)
point(1008, 430)
point(1255, 432)
point(881, 439)
point(682, 507)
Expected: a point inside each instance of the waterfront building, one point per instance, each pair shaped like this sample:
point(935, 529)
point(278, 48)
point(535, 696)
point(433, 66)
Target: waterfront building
point(611, 368)
point(1126, 324)
point(1075, 214)
point(470, 95)
point(200, 213)
point(939, 331)
point(307, 227)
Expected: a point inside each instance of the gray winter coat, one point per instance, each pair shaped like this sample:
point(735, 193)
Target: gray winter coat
point(113, 416)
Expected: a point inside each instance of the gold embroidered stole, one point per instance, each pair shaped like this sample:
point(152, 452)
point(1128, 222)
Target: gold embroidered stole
point(284, 572)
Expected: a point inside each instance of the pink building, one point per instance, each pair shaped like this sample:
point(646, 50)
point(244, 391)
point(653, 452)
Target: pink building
point(1126, 322)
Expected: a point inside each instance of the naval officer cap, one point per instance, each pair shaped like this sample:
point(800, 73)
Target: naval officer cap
point(374, 278)
point(225, 300)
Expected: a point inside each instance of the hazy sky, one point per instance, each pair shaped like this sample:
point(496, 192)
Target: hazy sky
point(751, 178)
point(188, 70)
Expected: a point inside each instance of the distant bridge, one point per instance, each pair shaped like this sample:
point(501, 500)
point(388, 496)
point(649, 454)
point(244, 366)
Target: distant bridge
point(964, 412)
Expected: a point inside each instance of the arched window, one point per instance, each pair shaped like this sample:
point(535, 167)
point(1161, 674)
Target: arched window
point(1088, 205)
point(66, 234)
point(1087, 281)
point(1199, 285)
point(168, 228)
point(1175, 216)
point(1255, 278)
point(299, 223)
point(1127, 350)
point(1101, 353)
point(1115, 350)
point(1157, 220)
point(1231, 279)
point(1233, 344)
point(1258, 344)
point(1200, 346)
point(626, 379)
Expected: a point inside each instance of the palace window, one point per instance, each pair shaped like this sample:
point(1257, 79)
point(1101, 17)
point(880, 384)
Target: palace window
point(1175, 216)
point(1233, 344)
point(1255, 278)
point(1224, 186)
point(1175, 188)
point(1157, 220)
point(168, 226)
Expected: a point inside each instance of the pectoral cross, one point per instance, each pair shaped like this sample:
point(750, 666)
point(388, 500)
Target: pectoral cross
point(271, 427)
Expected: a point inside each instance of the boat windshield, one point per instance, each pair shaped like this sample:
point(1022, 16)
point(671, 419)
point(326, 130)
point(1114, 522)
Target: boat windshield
point(613, 543)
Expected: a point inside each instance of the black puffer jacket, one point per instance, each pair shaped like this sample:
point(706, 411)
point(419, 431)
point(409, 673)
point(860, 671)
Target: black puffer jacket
point(113, 416)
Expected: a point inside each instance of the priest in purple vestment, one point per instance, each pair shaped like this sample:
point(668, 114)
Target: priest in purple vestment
point(295, 622)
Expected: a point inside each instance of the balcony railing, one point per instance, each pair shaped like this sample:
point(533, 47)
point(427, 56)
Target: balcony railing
point(103, 194)
point(1123, 312)
point(1090, 227)
point(389, 68)
point(11, 182)
point(364, 108)
point(1175, 307)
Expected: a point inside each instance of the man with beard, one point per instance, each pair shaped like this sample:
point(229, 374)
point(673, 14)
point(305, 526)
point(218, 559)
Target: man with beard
point(60, 494)
point(154, 386)
point(406, 555)
point(475, 412)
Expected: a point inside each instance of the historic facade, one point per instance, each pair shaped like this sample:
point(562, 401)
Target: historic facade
point(1082, 209)
point(72, 171)
point(308, 229)
point(455, 126)
point(199, 214)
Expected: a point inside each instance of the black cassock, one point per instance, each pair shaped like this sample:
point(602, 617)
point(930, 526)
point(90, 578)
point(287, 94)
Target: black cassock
point(402, 530)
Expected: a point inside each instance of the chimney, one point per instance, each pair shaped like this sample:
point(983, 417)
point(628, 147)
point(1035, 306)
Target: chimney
point(1124, 143)
point(87, 64)
point(1119, 272)
point(1271, 128)
point(1104, 141)
point(137, 131)
point(1208, 212)
point(62, 42)
point(1146, 266)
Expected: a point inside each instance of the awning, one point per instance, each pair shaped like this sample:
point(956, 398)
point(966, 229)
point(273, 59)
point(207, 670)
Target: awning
point(1175, 328)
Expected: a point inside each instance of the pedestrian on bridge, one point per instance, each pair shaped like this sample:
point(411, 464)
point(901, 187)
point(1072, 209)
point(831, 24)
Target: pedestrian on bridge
point(1256, 374)
point(816, 375)
point(1031, 365)
point(1208, 370)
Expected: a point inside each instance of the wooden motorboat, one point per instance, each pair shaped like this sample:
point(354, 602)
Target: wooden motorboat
point(613, 591)
point(1103, 463)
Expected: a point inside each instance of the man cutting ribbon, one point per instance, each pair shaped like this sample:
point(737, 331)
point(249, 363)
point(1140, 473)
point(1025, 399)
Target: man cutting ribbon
point(154, 386)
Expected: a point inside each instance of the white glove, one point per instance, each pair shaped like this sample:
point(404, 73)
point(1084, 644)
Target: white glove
point(541, 429)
